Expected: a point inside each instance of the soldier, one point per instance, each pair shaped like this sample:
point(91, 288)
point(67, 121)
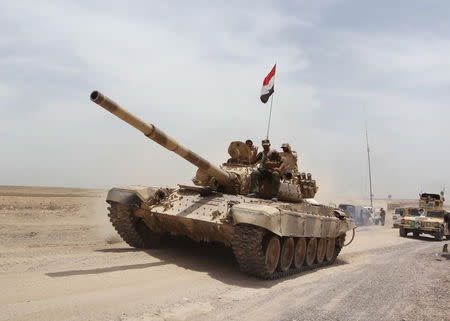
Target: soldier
point(302, 177)
point(382, 216)
point(303, 187)
point(254, 150)
point(289, 166)
point(315, 188)
point(309, 186)
point(269, 161)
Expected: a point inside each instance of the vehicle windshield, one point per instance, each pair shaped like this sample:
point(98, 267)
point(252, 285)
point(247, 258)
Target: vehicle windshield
point(436, 214)
point(414, 212)
point(399, 211)
point(349, 208)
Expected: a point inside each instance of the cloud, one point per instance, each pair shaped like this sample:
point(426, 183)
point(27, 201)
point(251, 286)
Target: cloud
point(195, 71)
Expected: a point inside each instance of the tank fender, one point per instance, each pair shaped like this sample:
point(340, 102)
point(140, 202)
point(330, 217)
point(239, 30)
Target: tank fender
point(135, 195)
point(261, 215)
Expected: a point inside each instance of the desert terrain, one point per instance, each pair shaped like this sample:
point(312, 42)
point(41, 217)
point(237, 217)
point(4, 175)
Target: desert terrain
point(61, 260)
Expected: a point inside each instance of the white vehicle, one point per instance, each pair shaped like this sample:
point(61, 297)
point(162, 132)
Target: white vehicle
point(374, 215)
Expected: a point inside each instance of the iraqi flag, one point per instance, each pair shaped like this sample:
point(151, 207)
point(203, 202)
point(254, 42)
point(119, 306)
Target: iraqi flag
point(268, 84)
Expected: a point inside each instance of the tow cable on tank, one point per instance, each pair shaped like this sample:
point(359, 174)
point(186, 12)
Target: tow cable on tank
point(353, 236)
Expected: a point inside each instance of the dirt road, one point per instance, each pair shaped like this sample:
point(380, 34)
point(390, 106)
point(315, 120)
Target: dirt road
point(60, 260)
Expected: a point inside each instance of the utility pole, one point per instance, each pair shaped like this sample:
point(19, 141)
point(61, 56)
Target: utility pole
point(370, 173)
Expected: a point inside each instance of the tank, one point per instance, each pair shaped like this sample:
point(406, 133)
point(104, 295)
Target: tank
point(269, 239)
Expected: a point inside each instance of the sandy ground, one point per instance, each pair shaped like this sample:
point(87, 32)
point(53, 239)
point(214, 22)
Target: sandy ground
point(61, 260)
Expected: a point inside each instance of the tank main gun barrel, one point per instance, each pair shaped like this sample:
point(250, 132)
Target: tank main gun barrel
point(157, 135)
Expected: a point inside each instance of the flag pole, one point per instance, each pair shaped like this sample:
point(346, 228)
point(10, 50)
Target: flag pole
point(368, 160)
point(270, 116)
point(271, 102)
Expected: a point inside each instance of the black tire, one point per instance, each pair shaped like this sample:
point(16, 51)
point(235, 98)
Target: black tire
point(416, 234)
point(132, 229)
point(439, 235)
point(447, 237)
point(402, 232)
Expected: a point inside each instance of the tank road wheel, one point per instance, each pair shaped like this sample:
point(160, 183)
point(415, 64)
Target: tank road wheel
point(299, 252)
point(331, 243)
point(287, 254)
point(256, 250)
point(311, 250)
point(416, 234)
point(402, 232)
point(334, 247)
point(272, 253)
point(321, 250)
point(132, 229)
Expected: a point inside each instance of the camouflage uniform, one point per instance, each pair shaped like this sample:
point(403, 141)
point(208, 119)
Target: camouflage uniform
point(289, 167)
point(253, 151)
point(382, 216)
point(268, 162)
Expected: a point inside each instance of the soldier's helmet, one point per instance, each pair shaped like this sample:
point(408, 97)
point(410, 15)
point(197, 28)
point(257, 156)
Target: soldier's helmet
point(265, 142)
point(286, 145)
point(308, 175)
point(249, 142)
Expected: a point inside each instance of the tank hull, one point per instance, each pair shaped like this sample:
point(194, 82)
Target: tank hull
point(208, 216)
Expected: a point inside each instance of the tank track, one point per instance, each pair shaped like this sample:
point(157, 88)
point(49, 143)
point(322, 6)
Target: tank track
point(132, 229)
point(248, 243)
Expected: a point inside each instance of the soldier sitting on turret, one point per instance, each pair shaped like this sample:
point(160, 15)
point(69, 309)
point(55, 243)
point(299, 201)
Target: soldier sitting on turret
point(289, 167)
point(269, 161)
point(254, 150)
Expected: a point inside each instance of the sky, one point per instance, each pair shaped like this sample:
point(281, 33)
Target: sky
point(195, 70)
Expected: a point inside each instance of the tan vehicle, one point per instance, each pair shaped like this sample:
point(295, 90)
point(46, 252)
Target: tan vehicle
point(431, 201)
point(401, 212)
point(269, 239)
point(430, 218)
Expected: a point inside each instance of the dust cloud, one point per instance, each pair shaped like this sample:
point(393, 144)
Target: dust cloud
point(98, 218)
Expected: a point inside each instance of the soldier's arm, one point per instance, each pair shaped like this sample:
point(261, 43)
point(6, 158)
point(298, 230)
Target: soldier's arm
point(281, 161)
point(258, 158)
